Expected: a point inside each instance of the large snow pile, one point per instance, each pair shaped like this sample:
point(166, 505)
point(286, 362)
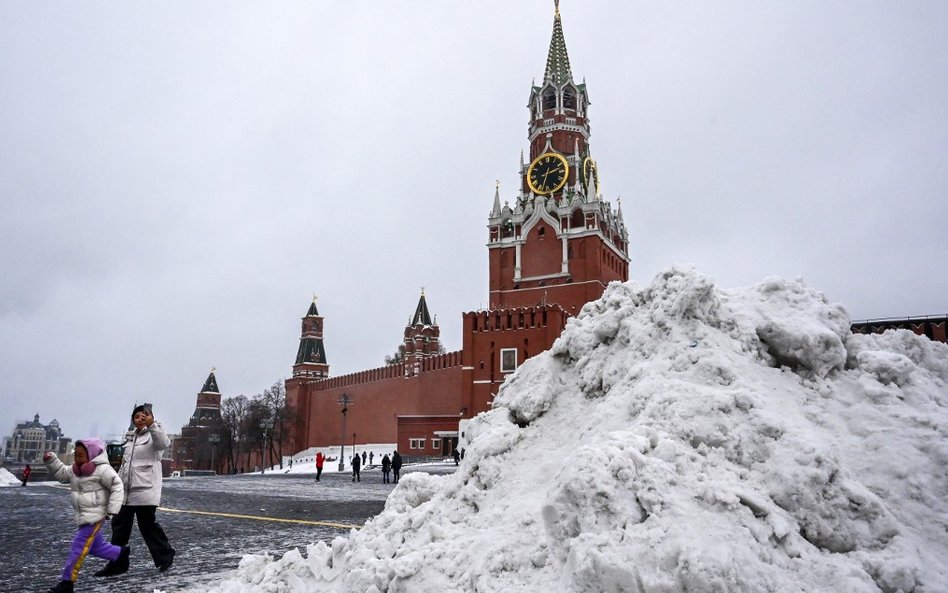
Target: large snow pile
point(8, 479)
point(678, 437)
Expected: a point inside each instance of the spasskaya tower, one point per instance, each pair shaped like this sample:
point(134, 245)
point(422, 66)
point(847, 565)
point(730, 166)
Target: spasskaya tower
point(559, 241)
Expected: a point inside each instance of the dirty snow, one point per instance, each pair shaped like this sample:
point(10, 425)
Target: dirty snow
point(8, 479)
point(677, 437)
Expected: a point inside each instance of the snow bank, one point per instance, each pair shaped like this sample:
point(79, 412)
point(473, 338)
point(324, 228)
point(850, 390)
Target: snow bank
point(8, 479)
point(677, 437)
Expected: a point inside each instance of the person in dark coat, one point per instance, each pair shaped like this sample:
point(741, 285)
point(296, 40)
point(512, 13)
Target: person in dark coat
point(27, 470)
point(386, 469)
point(396, 465)
point(457, 457)
point(356, 466)
point(364, 457)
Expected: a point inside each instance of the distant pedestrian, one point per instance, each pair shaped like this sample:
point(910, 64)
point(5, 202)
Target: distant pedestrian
point(25, 476)
point(386, 469)
point(396, 465)
point(356, 466)
point(320, 460)
point(97, 494)
point(364, 457)
point(371, 456)
point(141, 473)
point(457, 457)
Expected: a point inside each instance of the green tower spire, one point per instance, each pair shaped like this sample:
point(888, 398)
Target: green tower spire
point(557, 61)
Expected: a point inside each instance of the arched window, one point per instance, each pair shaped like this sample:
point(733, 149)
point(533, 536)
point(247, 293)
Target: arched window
point(569, 98)
point(506, 229)
point(549, 98)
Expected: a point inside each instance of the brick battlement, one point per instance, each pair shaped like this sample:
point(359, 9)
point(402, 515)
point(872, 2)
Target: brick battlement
point(401, 369)
point(514, 318)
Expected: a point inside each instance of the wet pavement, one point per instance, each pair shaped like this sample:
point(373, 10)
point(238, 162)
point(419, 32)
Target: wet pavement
point(36, 527)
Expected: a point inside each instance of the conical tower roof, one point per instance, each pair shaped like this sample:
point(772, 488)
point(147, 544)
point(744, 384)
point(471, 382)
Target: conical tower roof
point(557, 60)
point(421, 312)
point(210, 386)
point(312, 312)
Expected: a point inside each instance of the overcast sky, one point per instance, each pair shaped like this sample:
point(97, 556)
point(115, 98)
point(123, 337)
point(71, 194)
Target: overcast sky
point(178, 178)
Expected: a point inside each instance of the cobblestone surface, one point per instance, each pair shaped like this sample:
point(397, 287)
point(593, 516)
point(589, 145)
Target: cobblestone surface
point(36, 527)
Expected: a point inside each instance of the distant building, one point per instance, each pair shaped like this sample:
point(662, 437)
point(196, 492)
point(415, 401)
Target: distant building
point(932, 326)
point(199, 445)
point(31, 439)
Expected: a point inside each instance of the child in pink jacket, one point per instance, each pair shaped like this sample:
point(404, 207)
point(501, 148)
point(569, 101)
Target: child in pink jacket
point(97, 494)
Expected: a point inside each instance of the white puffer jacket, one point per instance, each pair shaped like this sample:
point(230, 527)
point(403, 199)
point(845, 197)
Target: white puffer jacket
point(141, 465)
point(93, 496)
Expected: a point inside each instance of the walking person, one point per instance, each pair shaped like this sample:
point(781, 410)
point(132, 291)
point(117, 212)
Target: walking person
point(386, 469)
point(396, 465)
point(457, 457)
point(320, 460)
point(27, 470)
point(371, 456)
point(141, 473)
point(364, 457)
point(356, 465)
point(97, 494)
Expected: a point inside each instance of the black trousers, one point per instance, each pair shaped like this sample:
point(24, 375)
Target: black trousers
point(152, 533)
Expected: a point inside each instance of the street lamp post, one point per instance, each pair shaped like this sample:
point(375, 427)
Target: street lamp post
point(266, 425)
point(213, 439)
point(345, 400)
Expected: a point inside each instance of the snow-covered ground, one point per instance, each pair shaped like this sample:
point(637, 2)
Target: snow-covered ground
point(304, 462)
point(677, 437)
point(8, 479)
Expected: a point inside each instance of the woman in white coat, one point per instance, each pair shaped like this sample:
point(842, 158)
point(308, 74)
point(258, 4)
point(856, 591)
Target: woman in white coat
point(141, 474)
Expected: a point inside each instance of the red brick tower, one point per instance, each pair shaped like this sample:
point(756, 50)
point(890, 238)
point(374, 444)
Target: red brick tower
point(311, 356)
point(197, 447)
point(560, 242)
point(310, 366)
point(422, 337)
point(552, 251)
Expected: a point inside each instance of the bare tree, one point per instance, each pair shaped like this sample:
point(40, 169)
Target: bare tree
point(397, 357)
point(283, 419)
point(254, 428)
point(233, 413)
point(262, 423)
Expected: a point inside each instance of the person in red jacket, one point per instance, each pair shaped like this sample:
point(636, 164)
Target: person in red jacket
point(26, 473)
point(320, 459)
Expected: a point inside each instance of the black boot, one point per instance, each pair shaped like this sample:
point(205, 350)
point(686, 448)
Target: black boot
point(62, 587)
point(165, 564)
point(119, 566)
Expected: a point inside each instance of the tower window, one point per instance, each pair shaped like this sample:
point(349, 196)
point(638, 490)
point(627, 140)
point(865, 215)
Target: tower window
point(549, 98)
point(569, 98)
point(508, 360)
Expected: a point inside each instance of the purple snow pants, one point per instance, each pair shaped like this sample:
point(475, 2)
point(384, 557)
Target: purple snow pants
point(88, 540)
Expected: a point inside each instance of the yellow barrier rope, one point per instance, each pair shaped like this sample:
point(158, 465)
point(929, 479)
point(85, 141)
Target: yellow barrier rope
point(259, 518)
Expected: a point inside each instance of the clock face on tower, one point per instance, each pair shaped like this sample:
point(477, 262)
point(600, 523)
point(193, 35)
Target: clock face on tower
point(590, 173)
point(547, 173)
